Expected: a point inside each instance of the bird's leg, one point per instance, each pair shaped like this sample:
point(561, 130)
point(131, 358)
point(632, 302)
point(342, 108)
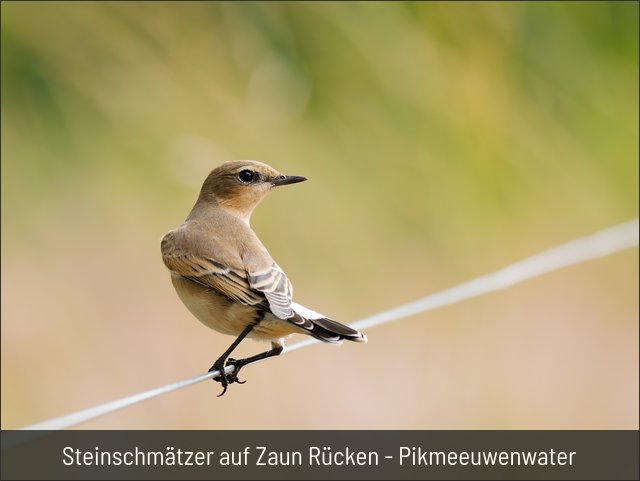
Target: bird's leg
point(276, 349)
point(219, 365)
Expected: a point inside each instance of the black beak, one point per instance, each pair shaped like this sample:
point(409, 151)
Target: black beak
point(288, 179)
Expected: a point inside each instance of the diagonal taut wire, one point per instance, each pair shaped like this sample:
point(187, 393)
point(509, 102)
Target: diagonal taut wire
point(600, 244)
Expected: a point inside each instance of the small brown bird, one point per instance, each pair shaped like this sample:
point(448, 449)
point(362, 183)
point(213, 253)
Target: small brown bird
point(226, 277)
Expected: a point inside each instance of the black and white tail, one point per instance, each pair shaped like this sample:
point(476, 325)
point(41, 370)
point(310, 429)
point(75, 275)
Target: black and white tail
point(323, 328)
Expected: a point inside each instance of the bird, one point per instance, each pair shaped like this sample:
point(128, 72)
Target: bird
point(226, 277)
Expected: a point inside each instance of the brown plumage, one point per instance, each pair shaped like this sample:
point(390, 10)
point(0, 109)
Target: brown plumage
point(226, 277)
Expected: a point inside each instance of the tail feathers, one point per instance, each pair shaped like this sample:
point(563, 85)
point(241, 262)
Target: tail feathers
point(334, 329)
point(323, 328)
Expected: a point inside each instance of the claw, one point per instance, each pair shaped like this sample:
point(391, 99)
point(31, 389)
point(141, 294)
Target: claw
point(233, 377)
point(224, 378)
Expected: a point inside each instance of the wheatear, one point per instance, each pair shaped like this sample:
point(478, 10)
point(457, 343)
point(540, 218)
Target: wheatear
point(226, 277)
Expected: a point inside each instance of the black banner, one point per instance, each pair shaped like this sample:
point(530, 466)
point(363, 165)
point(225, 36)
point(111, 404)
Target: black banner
point(334, 455)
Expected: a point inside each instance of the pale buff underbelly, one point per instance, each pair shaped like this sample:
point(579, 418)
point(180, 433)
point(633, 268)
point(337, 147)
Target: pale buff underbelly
point(227, 317)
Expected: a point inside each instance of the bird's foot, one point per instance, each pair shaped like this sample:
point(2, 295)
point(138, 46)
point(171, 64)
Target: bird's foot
point(227, 378)
point(237, 365)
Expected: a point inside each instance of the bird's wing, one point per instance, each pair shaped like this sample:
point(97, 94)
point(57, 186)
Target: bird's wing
point(258, 282)
point(274, 284)
point(210, 273)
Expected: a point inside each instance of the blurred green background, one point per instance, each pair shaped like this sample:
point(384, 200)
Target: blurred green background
point(442, 141)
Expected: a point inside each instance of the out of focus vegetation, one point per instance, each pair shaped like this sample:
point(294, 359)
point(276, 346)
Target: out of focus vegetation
point(442, 140)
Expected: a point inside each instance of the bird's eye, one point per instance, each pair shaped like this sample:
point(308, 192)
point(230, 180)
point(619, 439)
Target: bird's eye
point(246, 176)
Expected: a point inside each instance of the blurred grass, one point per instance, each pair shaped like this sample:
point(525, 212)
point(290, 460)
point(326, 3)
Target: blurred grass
point(442, 140)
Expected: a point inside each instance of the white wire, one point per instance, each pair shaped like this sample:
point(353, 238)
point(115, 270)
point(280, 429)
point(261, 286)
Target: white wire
point(597, 245)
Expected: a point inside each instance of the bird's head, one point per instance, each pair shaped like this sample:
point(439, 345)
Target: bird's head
point(240, 185)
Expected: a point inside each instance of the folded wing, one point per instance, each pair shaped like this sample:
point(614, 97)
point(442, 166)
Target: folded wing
point(266, 287)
